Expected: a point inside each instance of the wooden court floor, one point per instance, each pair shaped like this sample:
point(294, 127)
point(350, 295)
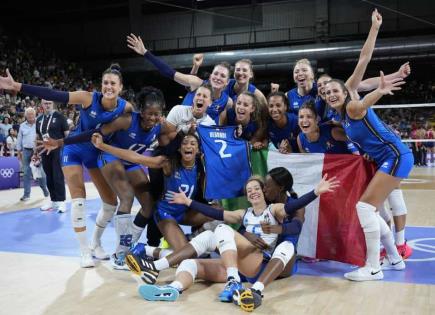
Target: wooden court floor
point(42, 284)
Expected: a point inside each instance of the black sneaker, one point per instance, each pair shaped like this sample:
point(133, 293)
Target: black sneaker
point(247, 299)
point(142, 267)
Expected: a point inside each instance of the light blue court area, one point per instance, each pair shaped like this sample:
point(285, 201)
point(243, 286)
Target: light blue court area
point(50, 233)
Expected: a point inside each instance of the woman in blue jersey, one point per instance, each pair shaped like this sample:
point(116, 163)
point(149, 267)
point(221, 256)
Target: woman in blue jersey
point(243, 74)
point(246, 114)
point(323, 138)
point(236, 251)
point(181, 171)
point(282, 126)
point(305, 90)
point(218, 78)
point(96, 108)
point(394, 161)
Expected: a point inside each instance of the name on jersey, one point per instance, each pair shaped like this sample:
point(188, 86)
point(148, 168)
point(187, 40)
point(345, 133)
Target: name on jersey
point(217, 134)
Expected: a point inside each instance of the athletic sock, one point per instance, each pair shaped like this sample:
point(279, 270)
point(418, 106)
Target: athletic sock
point(161, 264)
point(177, 285)
point(258, 286)
point(233, 272)
point(400, 237)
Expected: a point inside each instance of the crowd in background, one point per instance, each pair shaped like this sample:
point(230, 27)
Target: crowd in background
point(37, 65)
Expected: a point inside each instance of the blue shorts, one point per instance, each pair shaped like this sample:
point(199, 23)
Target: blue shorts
point(80, 154)
point(399, 166)
point(266, 259)
point(429, 144)
point(160, 215)
point(106, 158)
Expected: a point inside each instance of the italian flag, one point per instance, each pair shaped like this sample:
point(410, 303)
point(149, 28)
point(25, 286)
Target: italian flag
point(331, 229)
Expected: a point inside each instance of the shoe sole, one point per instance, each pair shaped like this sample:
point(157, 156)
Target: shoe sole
point(154, 293)
point(365, 279)
point(107, 257)
point(133, 265)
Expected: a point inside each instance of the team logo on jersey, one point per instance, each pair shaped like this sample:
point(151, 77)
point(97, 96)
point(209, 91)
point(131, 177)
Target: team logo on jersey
point(295, 104)
point(93, 114)
point(385, 165)
point(177, 175)
point(132, 135)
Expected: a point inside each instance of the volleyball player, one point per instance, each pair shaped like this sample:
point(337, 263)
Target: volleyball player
point(96, 108)
point(218, 78)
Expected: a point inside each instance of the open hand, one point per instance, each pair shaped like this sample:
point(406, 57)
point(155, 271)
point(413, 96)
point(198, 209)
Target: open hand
point(326, 185)
point(179, 198)
point(135, 43)
point(387, 87)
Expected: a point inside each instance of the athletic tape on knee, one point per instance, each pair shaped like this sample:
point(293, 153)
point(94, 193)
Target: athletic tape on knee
point(105, 214)
point(284, 252)
point(367, 217)
point(204, 242)
point(397, 203)
point(188, 265)
point(78, 215)
point(224, 236)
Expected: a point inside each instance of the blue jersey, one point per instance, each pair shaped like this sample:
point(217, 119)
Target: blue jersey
point(321, 107)
point(90, 118)
point(230, 89)
point(134, 138)
point(373, 137)
point(95, 115)
point(325, 144)
point(184, 179)
point(248, 131)
point(289, 131)
point(295, 100)
point(215, 108)
point(227, 162)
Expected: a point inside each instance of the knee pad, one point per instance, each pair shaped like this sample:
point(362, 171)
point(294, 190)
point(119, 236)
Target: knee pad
point(105, 214)
point(204, 242)
point(78, 215)
point(284, 252)
point(397, 203)
point(188, 265)
point(367, 217)
point(224, 236)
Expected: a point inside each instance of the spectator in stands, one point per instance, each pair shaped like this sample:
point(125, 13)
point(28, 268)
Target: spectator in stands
point(26, 142)
point(11, 142)
point(5, 125)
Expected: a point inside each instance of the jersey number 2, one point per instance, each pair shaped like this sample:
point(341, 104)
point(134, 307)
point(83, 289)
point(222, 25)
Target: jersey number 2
point(222, 153)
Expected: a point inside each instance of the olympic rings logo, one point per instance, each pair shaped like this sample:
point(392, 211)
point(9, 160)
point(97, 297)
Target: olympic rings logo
point(7, 172)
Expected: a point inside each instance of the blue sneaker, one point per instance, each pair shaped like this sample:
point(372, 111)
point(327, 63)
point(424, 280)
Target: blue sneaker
point(152, 292)
point(118, 261)
point(230, 287)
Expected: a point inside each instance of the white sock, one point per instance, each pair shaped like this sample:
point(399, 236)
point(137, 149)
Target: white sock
point(233, 272)
point(149, 250)
point(388, 241)
point(259, 286)
point(161, 264)
point(177, 285)
point(400, 237)
point(165, 252)
point(83, 241)
point(136, 232)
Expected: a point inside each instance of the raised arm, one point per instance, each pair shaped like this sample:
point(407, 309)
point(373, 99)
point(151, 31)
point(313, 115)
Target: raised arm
point(372, 83)
point(197, 61)
point(366, 53)
point(78, 97)
point(358, 109)
point(227, 216)
point(135, 43)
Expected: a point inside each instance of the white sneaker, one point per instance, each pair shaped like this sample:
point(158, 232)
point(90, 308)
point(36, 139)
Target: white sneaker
point(86, 260)
point(118, 262)
point(387, 265)
point(61, 206)
point(365, 273)
point(99, 253)
point(48, 206)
